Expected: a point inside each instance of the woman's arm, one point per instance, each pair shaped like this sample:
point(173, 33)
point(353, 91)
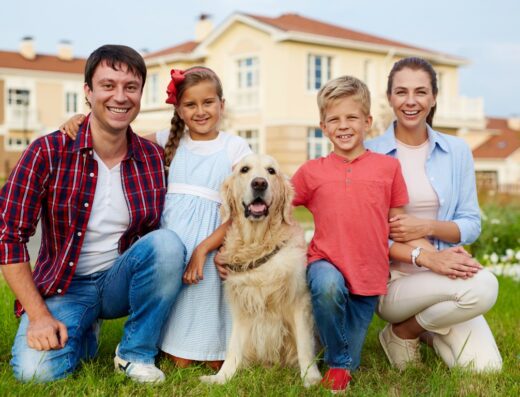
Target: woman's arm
point(406, 227)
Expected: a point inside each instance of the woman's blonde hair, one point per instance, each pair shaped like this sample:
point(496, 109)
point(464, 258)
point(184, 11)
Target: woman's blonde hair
point(192, 76)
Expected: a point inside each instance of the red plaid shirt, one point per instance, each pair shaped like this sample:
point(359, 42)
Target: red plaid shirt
point(55, 179)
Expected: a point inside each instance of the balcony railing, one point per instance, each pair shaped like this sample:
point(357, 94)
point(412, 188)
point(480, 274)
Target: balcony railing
point(21, 118)
point(460, 112)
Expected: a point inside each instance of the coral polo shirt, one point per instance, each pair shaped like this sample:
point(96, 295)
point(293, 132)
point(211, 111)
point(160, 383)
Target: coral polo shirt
point(350, 202)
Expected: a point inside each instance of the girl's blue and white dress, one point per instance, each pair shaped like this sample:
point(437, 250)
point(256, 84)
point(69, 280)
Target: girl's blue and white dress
point(200, 321)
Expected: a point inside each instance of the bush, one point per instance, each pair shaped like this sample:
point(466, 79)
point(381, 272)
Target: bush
point(500, 234)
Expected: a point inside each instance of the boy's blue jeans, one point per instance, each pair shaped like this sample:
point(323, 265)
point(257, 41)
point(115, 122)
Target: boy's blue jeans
point(143, 284)
point(342, 318)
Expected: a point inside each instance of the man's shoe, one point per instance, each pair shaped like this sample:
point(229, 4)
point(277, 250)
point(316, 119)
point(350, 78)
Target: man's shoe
point(400, 352)
point(143, 373)
point(336, 379)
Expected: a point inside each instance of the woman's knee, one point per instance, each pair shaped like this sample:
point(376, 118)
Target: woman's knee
point(484, 291)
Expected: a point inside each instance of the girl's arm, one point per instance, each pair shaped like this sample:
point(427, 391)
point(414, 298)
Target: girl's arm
point(194, 270)
point(71, 128)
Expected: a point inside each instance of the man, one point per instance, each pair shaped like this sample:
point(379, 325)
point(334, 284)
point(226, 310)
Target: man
point(97, 196)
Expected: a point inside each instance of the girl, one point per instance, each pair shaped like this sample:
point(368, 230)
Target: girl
point(199, 157)
point(448, 294)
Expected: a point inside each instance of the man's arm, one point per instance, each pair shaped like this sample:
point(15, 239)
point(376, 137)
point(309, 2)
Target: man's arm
point(44, 331)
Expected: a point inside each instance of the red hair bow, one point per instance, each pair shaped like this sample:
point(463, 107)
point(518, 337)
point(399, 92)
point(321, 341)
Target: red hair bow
point(177, 78)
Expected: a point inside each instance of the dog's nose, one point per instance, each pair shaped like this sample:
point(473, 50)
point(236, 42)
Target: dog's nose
point(259, 184)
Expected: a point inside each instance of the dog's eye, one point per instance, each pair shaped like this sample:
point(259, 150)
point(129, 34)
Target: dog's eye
point(244, 169)
point(271, 170)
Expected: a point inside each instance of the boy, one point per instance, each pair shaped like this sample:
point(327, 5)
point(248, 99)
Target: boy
point(351, 193)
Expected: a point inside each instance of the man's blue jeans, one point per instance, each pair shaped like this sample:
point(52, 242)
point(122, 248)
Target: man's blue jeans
point(342, 318)
point(143, 284)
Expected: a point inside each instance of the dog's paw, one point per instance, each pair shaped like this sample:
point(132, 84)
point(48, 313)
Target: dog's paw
point(311, 377)
point(212, 379)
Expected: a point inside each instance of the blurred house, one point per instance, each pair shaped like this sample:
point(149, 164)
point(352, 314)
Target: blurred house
point(272, 68)
point(497, 158)
point(37, 93)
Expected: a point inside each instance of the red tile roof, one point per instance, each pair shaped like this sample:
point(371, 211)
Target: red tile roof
point(298, 23)
point(501, 145)
point(183, 48)
point(47, 63)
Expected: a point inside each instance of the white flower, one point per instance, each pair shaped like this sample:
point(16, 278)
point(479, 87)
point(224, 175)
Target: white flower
point(495, 239)
point(493, 258)
point(495, 221)
point(510, 253)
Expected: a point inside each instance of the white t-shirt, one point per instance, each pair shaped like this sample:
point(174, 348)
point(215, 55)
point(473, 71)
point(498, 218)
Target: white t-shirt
point(237, 146)
point(108, 220)
point(424, 202)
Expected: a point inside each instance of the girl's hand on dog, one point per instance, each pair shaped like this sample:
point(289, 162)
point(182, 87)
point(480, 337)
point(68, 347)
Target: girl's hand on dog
point(194, 271)
point(71, 126)
point(220, 264)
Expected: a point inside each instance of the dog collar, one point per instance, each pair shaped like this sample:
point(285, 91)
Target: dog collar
point(257, 262)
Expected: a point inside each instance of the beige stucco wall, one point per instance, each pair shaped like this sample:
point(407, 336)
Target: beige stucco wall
point(50, 100)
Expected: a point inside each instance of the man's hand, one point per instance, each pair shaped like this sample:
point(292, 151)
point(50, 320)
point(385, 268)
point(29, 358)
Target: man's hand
point(46, 333)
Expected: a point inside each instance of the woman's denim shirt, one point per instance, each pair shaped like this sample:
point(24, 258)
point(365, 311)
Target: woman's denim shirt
point(449, 166)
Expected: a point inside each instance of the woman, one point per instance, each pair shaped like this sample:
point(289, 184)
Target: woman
point(435, 287)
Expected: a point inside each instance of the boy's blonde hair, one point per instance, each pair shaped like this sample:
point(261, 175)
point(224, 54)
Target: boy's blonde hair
point(341, 87)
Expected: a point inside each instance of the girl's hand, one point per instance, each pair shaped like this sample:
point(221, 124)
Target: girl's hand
point(194, 271)
point(220, 264)
point(405, 227)
point(71, 126)
point(453, 262)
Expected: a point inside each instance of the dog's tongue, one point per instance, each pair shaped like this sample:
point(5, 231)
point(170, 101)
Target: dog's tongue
point(257, 208)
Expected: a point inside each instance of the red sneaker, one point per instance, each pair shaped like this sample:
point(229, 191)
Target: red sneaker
point(336, 379)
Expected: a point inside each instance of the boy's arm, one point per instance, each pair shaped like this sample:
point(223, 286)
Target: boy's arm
point(194, 270)
point(406, 227)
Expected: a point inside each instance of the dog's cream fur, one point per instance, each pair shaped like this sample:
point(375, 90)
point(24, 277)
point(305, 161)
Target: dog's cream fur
point(271, 308)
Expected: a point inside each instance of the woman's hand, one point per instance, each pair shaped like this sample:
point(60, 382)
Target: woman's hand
point(71, 126)
point(404, 227)
point(453, 262)
point(194, 271)
point(220, 264)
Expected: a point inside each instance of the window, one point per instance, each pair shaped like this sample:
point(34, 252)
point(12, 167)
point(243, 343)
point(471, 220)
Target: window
point(247, 72)
point(319, 71)
point(247, 94)
point(318, 145)
point(152, 89)
point(71, 102)
point(251, 136)
point(18, 142)
point(487, 180)
point(18, 97)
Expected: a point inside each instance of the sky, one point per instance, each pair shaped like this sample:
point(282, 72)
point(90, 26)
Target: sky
point(486, 32)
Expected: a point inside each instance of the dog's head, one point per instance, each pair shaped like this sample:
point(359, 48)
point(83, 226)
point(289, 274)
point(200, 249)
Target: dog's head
point(256, 190)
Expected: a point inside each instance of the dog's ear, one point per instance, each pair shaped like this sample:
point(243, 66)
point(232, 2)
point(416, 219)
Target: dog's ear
point(287, 198)
point(228, 203)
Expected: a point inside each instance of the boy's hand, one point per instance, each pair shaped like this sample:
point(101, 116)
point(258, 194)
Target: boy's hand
point(71, 126)
point(194, 271)
point(405, 227)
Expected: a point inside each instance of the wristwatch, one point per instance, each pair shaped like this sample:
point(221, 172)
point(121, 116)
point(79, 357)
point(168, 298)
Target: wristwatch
point(415, 254)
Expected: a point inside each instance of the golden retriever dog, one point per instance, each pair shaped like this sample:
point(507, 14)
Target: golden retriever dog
point(266, 287)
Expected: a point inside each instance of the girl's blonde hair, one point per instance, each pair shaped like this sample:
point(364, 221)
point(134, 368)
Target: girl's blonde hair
point(192, 76)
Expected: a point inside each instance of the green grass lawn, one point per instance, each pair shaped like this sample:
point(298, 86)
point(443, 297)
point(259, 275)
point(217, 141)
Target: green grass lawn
point(375, 378)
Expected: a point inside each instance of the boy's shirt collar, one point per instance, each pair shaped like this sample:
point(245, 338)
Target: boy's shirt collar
point(340, 159)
